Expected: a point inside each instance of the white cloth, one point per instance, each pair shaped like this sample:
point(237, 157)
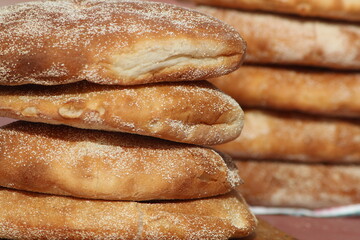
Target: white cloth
point(342, 211)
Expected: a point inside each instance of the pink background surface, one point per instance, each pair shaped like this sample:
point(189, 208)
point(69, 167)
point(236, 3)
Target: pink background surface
point(4, 121)
point(303, 228)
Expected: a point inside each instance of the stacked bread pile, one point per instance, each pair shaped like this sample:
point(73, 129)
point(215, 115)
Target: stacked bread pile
point(115, 72)
point(300, 146)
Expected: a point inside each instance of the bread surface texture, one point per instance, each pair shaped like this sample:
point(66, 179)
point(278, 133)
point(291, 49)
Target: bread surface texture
point(112, 42)
point(190, 112)
point(348, 10)
point(296, 137)
point(301, 185)
point(320, 92)
point(286, 40)
point(114, 166)
point(38, 216)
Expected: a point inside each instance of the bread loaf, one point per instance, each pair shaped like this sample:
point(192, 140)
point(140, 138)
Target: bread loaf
point(294, 89)
point(38, 216)
point(192, 112)
point(102, 165)
point(295, 137)
point(112, 42)
point(284, 184)
point(331, 9)
point(276, 39)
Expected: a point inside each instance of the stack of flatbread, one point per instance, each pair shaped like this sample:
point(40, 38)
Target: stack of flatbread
point(112, 142)
point(301, 88)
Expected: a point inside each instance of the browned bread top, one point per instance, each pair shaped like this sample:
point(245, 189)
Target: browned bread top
point(112, 42)
point(102, 165)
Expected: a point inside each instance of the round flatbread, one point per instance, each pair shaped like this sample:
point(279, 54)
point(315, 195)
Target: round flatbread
point(190, 112)
point(112, 42)
point(285, 40)
point(320, 92)
point(38, 216)
point(114, 166)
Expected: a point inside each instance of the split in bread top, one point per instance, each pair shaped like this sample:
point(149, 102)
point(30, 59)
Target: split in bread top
point(112, 42)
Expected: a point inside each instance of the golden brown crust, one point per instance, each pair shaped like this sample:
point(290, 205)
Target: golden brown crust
point(39, 216)
point(103, 165)
point(112, 42)
point(281, 184)
point(295, 137)
point(297, 89)
point(191, 112)
point(331, 9)
point(289, 40)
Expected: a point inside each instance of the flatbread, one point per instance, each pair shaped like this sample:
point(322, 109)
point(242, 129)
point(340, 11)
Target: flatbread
point(112, 42)
point(190, 112)
point(319, 92)
point(348, 10)
point(300, 185)
point(294, 137)
point(285, 40)
point(38, 216)
point(114, 166)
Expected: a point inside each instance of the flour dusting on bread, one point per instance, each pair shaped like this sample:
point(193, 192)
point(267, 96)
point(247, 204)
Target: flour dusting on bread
point(63, 41)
